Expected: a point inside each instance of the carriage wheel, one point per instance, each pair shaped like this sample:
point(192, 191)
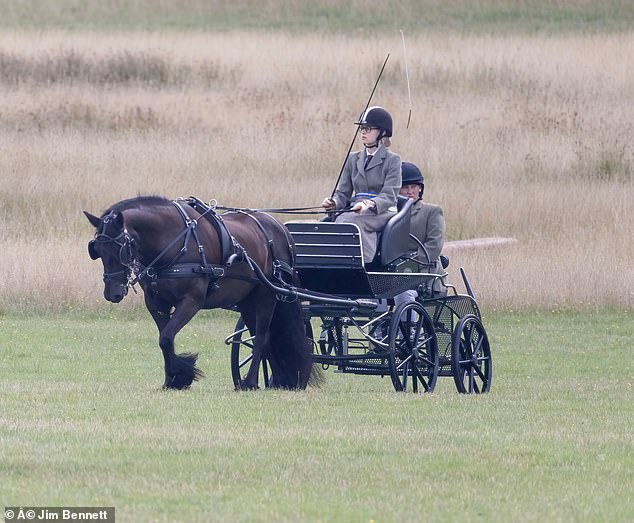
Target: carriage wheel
point(413, 348)
point(471, 356)
point(242, 354)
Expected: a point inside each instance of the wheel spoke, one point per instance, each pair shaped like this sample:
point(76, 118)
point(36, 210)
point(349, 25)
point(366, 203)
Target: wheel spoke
point(404, 362)
point(476, 349)
point(418, 328)
point(422, 379)
point(479, 371)
point(469, 328)
point(423, 342)
point(423, 359)
point(246, 360)
point(404, 374)
point(265, 370)
point(246, 342)
point(405, 333)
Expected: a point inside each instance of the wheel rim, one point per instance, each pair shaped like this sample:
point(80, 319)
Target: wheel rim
point(471, 357)
point(413, 348)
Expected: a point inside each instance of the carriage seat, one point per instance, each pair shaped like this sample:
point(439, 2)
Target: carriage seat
point(393, 240)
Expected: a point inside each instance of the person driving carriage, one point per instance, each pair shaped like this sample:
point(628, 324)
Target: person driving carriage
point(370, 181)
point(427, 225)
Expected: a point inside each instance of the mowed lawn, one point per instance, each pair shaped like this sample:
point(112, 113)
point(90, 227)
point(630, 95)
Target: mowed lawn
point(83, 422)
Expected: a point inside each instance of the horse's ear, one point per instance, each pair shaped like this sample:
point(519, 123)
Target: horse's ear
point(92, 219)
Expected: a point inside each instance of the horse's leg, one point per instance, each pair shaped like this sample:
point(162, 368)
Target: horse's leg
point(180, 369)
point(257, 311)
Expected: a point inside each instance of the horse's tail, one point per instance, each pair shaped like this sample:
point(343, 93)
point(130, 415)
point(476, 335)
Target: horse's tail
point(290, 350)
point(290, 354)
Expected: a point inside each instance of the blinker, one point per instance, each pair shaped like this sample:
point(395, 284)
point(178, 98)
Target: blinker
point(91, 250)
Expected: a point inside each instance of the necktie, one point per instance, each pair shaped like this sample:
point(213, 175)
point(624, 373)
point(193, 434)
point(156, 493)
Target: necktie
point(368, 159)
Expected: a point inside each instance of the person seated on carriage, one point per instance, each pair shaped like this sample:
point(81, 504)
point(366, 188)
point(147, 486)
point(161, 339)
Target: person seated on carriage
point(428, 226)
point(370, 181)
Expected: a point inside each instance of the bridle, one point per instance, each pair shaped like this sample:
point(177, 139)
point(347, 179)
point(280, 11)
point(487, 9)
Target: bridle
point(134, 271)
point(126, 252)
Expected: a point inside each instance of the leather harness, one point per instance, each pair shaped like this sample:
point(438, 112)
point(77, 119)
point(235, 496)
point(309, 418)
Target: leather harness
point(231, 251)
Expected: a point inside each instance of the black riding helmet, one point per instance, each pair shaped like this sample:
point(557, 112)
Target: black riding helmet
point(377, 117)
point(412, 175)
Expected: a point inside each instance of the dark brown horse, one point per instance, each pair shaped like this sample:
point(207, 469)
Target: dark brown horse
point(185, 262)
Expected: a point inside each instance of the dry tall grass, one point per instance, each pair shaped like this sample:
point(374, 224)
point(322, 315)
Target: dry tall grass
point(518, 136)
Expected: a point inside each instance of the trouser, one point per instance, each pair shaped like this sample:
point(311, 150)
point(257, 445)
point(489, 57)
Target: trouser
point(404, 297)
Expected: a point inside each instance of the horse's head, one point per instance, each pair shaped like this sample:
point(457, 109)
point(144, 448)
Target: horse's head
point(115, 247)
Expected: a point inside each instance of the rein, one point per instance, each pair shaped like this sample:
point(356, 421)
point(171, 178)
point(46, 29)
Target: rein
point(288, 210)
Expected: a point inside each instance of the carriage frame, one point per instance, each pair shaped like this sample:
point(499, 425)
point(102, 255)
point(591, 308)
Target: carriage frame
point(357, 324)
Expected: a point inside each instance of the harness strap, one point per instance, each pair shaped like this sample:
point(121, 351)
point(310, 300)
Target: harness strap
point(269, 241)
point(188, 270)
point(150, 267)
point(227, 242)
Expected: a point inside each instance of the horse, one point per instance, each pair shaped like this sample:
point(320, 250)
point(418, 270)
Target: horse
point(186, 257)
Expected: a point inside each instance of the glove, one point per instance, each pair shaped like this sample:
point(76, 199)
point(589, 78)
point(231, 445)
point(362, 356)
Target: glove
point(363, 206)
point(328, 204)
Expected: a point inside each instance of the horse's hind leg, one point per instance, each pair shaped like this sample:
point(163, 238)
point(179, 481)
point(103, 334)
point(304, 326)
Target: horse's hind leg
point(257, 313)
point(180, 369)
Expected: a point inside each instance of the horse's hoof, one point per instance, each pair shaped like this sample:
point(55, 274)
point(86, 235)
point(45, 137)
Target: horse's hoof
point(177, 382)
point(246, 386)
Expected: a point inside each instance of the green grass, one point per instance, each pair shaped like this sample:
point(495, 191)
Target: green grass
point(354, 17)
point(83, 422)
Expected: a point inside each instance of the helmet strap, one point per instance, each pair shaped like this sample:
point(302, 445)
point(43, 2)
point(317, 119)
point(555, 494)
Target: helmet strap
point(376, 144)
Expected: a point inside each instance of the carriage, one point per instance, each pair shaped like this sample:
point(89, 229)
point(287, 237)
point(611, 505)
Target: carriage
point(356, 322)
point(292, 283)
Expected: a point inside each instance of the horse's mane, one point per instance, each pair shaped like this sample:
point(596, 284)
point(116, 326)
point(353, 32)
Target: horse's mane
point(137, 202)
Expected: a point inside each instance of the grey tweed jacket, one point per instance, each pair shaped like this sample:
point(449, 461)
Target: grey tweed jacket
point(428, 225)
point(382, 176)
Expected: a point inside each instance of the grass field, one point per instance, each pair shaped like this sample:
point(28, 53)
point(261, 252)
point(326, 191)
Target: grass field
point(84, 422)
